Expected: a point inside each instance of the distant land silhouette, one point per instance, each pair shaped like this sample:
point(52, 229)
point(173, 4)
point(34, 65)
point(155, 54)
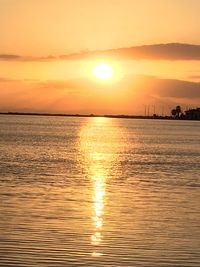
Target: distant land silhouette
point(176, 114)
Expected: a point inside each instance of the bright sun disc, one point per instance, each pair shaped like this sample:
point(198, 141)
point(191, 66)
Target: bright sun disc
point(103, 71)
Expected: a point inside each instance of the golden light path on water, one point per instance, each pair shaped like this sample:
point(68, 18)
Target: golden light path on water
point(98, 153)
point(98, 205)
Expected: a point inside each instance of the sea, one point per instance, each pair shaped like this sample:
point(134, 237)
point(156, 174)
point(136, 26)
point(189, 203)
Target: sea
point(99, 191)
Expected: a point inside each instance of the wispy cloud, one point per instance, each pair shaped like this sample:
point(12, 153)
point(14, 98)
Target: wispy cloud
point(171, 51)
point(8, 80)
point(5, 79)
point(195, 77)
point(9, 57)
point(12, 57)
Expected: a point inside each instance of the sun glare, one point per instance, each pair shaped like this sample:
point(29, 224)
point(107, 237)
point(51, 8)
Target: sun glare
point(103, 71)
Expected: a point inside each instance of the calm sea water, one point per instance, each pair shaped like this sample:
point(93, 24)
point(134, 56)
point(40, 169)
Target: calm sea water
point(99, 192)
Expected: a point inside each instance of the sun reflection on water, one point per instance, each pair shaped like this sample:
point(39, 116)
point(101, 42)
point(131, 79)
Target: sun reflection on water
point(98, 206)
point(99, 157)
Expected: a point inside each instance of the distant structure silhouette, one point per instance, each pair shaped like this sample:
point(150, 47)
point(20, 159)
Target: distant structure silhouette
point(192, 114)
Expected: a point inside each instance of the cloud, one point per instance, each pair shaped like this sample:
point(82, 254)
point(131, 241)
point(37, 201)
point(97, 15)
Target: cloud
point(195, 77)
point(9, 57)
point(5, 80)
point(138, 84)
point(8, 80)
point(127, 96)
point(176, 88)
point(164, 88)
point(132, 85)
point(12, 57)
point(170, 51)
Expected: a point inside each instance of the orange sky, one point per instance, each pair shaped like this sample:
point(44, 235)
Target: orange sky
point(33, 30)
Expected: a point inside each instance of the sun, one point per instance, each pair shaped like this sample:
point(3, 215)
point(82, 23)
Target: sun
point(103, 71)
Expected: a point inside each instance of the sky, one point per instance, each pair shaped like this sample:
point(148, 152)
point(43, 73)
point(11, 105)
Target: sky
point(49, 49)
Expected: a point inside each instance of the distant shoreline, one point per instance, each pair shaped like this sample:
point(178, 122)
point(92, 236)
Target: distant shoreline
point(119, 116)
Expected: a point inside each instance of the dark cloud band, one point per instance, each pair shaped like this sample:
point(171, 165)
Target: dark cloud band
point(172, 51)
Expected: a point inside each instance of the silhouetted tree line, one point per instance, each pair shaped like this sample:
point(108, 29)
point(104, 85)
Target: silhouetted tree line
point(191, 114)
point(177, 112)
